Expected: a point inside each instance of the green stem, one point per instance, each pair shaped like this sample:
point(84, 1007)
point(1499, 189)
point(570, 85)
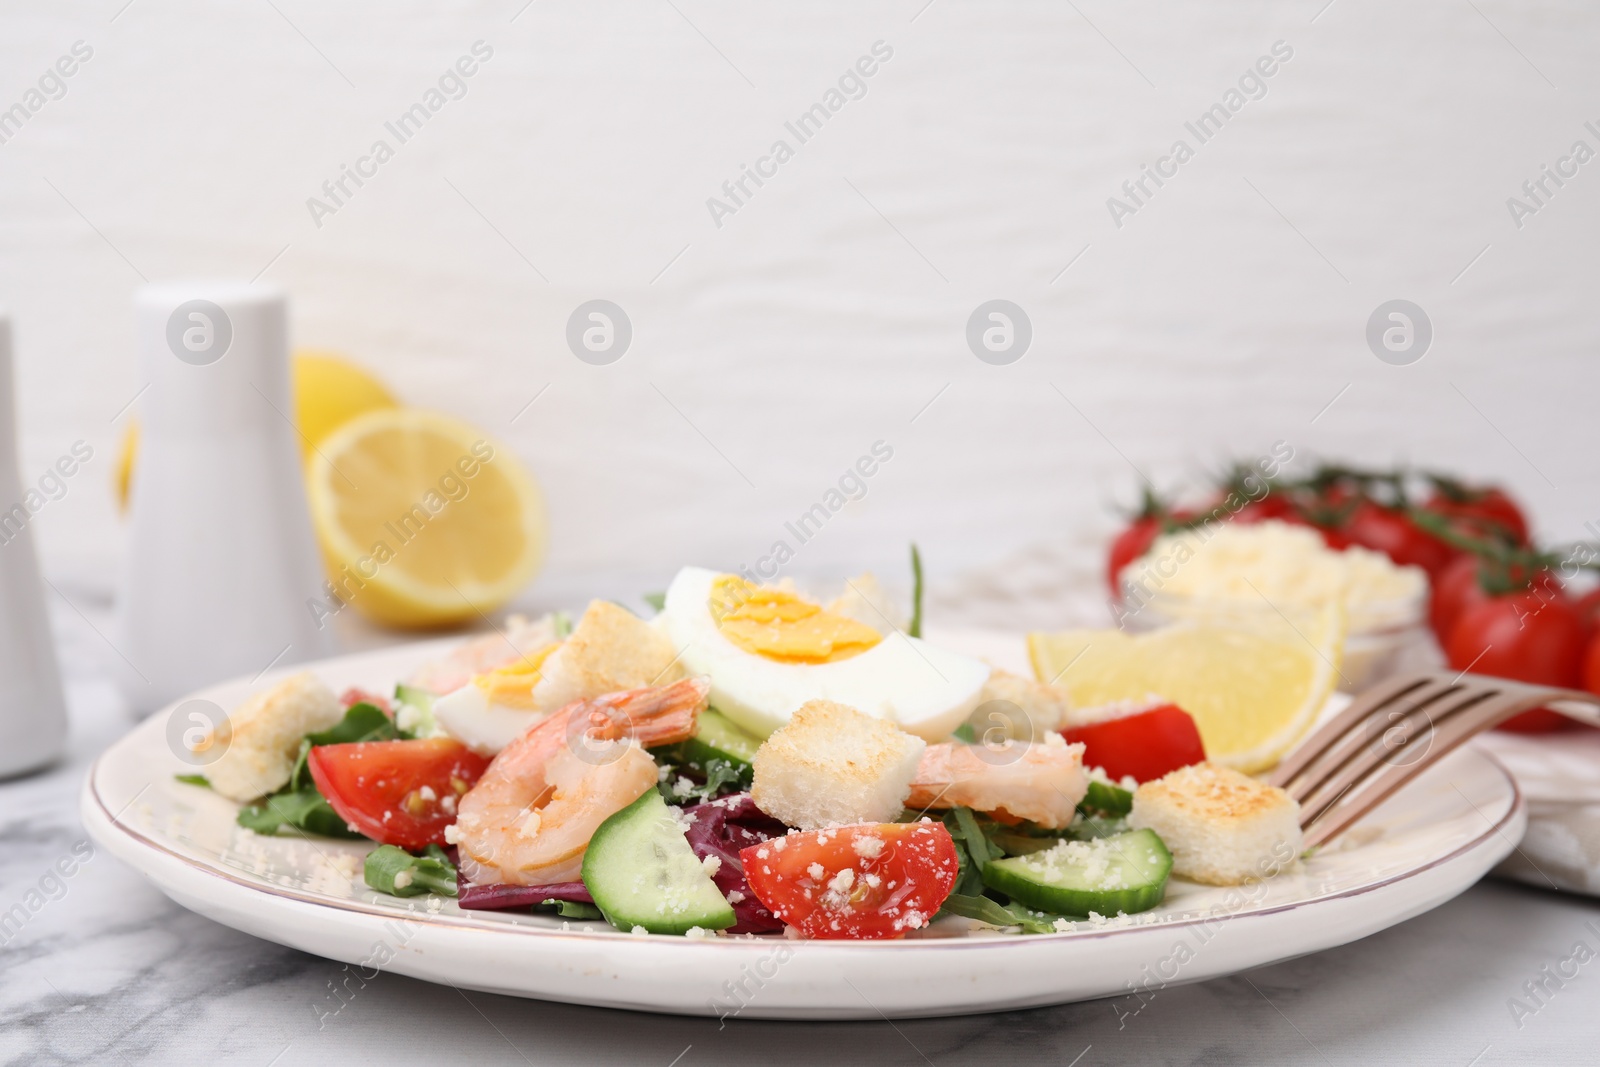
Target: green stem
point(915, 629)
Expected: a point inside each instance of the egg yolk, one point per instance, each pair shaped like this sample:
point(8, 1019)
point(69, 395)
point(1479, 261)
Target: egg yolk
point(779, 625)
point(512, 685)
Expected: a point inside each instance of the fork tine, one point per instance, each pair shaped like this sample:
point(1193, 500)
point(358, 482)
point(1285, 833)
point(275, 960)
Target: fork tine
point(1376, 781)
point(1340, 740)
point(1417, 729)
point(1476, 704)
point(1337, 727)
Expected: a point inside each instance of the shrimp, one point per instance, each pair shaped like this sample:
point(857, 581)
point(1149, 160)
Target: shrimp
point(528, 820)
point(1039, 782)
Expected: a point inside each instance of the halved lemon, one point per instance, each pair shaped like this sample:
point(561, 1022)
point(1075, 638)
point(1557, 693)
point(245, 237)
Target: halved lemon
point(423, 520)
point(1253, 688)
point(329, 391)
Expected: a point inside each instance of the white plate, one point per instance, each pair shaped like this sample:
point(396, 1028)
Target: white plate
point(1424, 846)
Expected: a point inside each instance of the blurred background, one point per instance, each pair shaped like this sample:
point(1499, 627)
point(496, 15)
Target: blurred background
point(774, 343)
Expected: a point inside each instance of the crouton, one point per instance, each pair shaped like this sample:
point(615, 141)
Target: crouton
point(261, 737)
point(611, 649)
point(832, 765)
point(1043, 708)
point(1222, 827)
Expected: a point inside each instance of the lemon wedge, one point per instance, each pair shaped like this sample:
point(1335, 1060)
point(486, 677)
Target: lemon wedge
point(423, 520)
point(1253, 688)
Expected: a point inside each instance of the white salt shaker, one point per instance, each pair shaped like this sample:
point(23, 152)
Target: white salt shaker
point(221, 565)
point(33, 714)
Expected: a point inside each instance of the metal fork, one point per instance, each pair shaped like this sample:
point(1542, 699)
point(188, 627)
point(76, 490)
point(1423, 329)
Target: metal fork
point(1396, 730)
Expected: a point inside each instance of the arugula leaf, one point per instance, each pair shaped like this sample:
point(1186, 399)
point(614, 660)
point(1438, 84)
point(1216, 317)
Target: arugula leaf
point(676, 787)
point(571, 909)
point(194, 779)
point(361, 722)
point(979, 907)
point(966, 733)
point(656, 600)
point(300, 777)
point(304, 810)
point(977, 844)
point(1087, 827)
point(969, 875)
point(987, 910)
point(720, 773)
point(1017, 843)
point(563, 624)
point(393, 870)
point(915, 629)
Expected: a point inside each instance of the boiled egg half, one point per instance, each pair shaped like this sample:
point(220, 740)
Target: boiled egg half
point(495, 707)
point(767, 651)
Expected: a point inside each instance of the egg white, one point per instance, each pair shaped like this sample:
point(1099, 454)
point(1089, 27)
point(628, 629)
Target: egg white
point(469, 716)
point(925, 690)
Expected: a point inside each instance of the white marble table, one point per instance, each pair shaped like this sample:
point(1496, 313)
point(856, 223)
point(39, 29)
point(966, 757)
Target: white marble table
point(109, 971)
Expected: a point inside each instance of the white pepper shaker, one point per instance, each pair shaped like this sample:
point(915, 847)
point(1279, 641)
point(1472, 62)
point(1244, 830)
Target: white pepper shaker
point(33, 712)
point(221, 563)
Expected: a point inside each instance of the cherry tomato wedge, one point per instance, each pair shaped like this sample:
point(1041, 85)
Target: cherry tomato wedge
point(1146, 745)
point(397, 792)
point(875, 880)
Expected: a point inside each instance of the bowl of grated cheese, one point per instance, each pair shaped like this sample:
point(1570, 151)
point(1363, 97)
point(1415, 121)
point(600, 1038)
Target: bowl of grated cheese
point(1276, 571)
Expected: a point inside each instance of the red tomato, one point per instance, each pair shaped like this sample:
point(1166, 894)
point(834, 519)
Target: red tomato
point(1591, 666)
point(1452, 589)
point(397, 792)
point(1146, 744)
point(1458, 588)
point(1480, 511)
point(1326, 512)
point(1272, 506)
point(1530, 636)
point(1134, 541)
point(1391, 531)
point(1334, 537)
point(1588, 608)
point(875, 880)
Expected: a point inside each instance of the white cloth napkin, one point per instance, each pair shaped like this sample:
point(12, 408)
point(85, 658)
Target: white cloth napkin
point(1559, 774)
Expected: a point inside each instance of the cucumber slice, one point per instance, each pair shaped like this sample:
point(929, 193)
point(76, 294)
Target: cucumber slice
point(1106, 798)
point(413, 711)
point(716, 739)
point(641, 872)
point(1126, 873)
